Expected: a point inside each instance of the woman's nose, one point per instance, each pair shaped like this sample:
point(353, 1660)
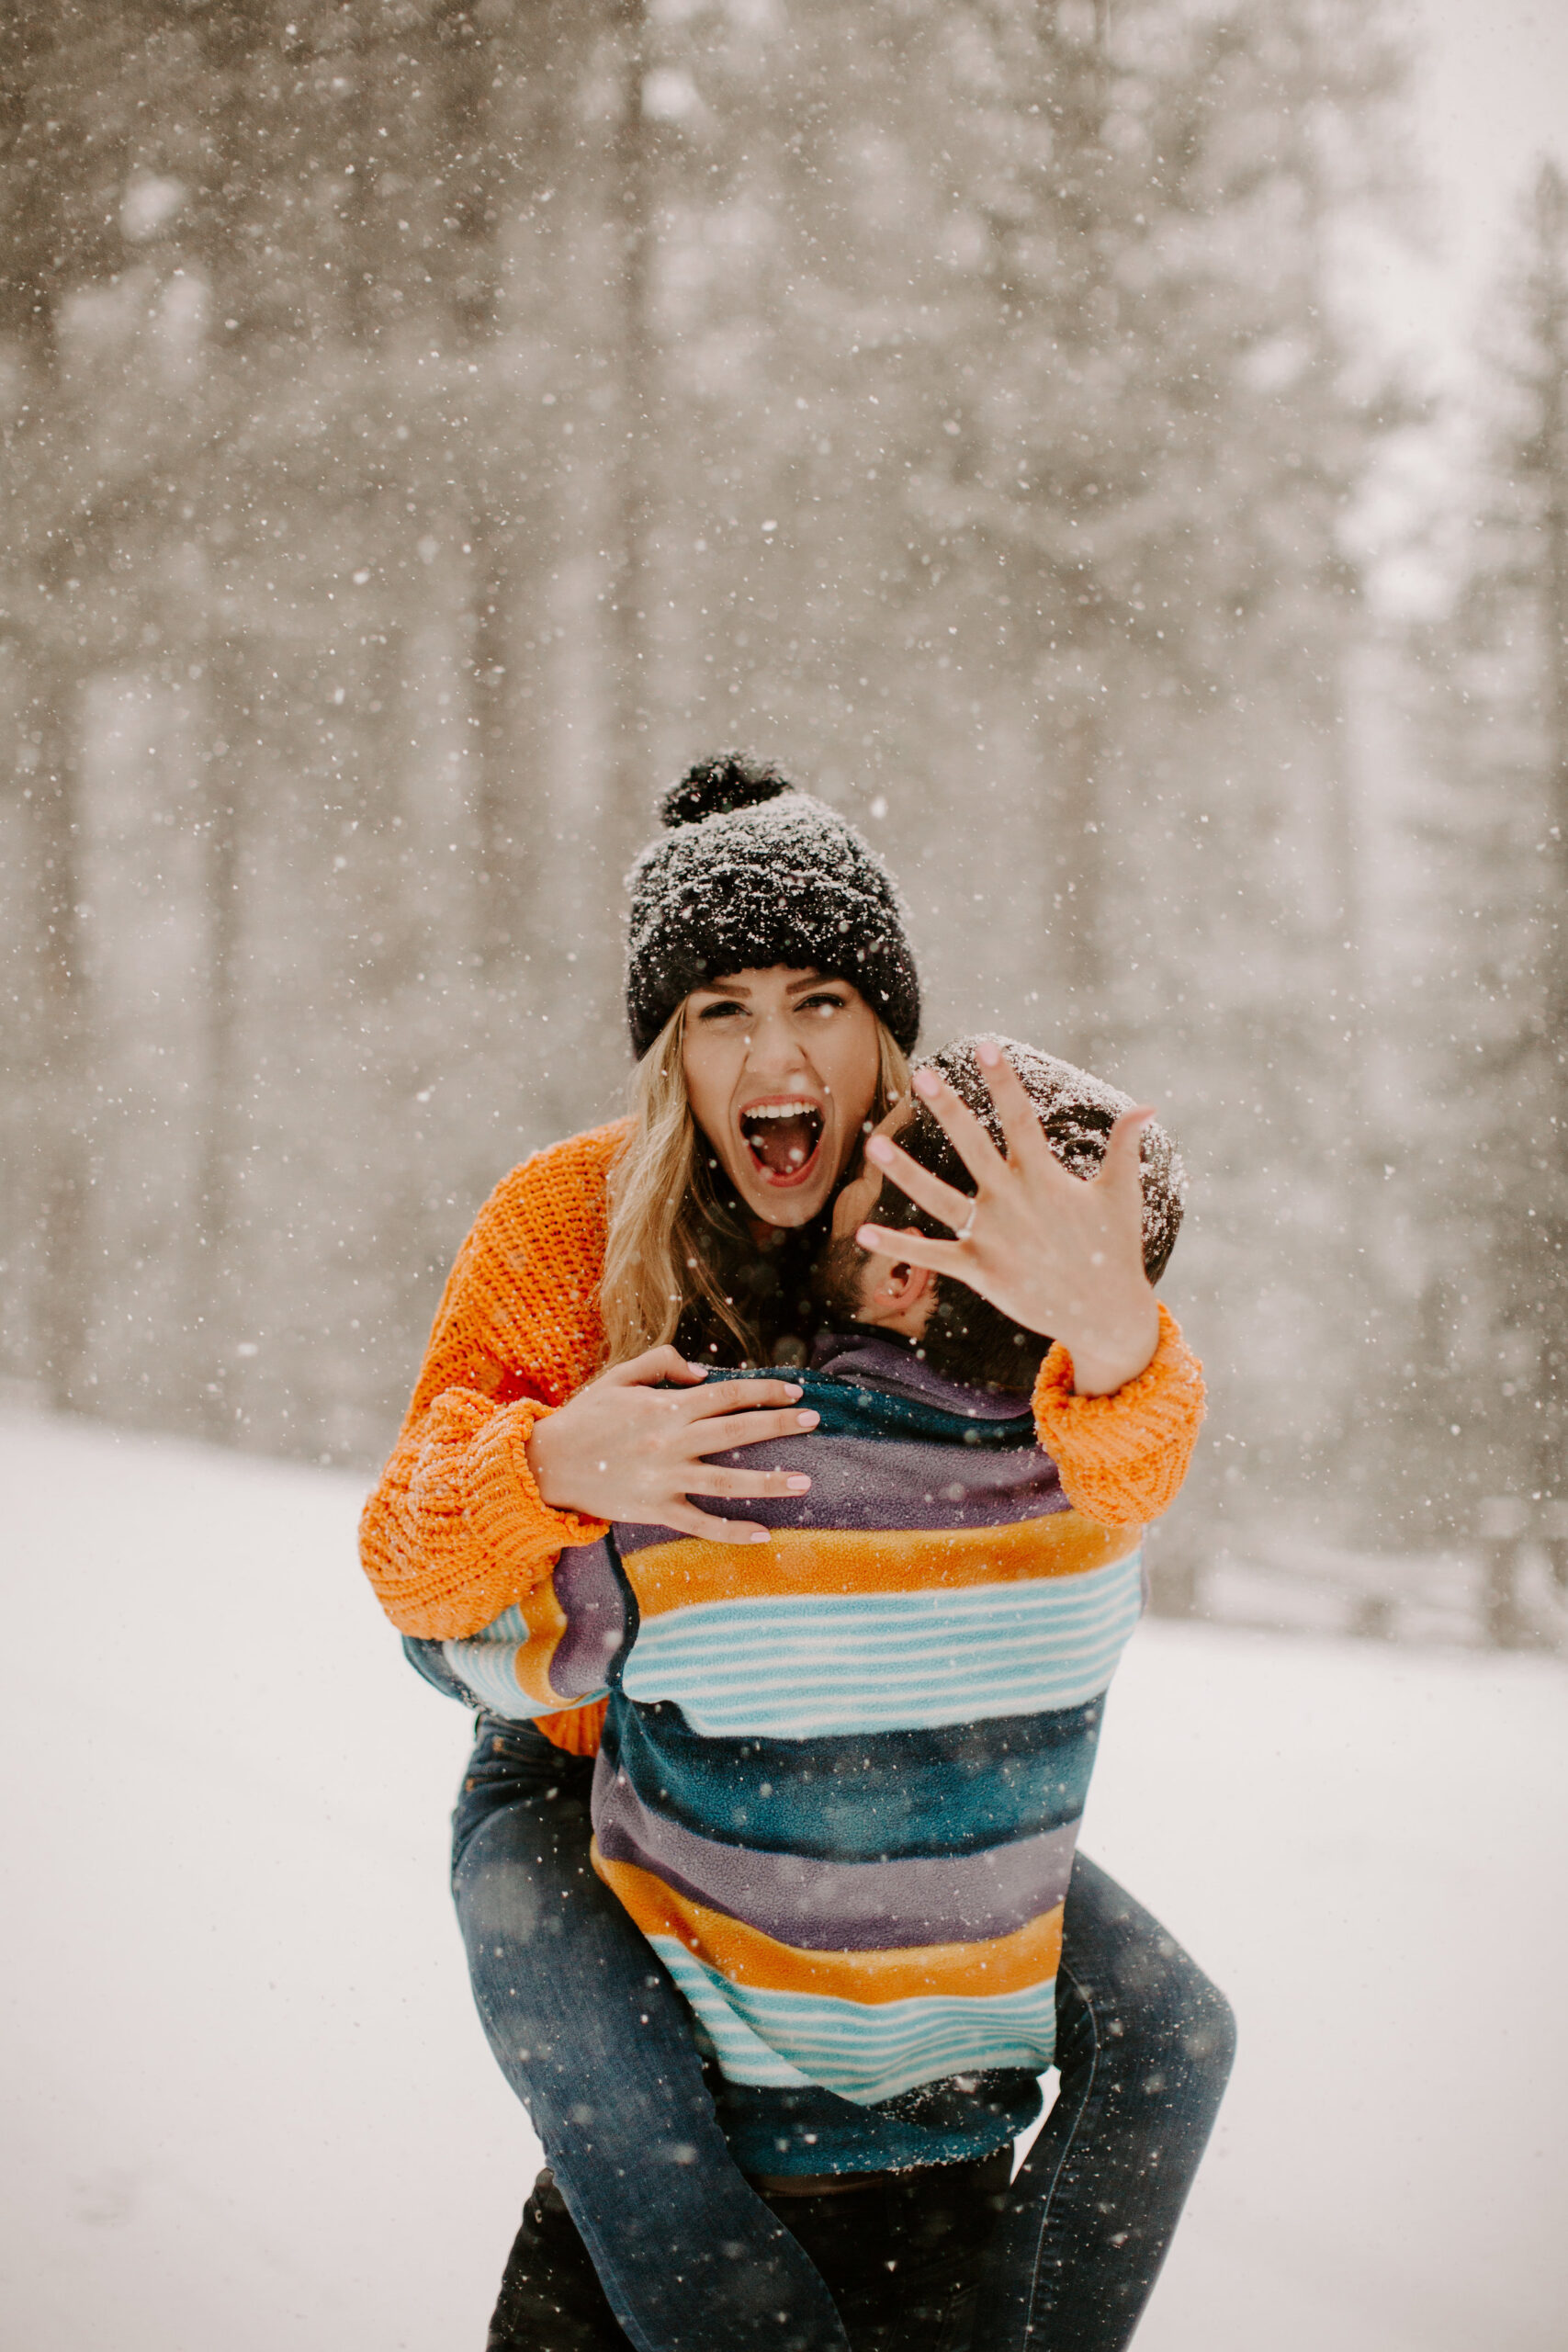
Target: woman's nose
point(773, 1046)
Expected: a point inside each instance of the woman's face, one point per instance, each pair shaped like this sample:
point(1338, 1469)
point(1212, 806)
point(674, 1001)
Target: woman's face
point(781, 1070)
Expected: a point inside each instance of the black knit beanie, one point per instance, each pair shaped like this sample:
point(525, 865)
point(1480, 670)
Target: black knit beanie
point(1078, 1112)
point(752, 873)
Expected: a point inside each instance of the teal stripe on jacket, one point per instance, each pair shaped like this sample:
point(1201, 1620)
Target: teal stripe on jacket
point(863, 2053)
point(958, 1790)
point(802, 1666)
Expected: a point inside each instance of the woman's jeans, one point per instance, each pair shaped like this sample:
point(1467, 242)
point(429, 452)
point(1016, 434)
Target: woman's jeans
point(593, 2037)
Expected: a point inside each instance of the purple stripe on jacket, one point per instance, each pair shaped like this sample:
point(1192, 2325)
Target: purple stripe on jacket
point(840, 1906)
point(868, 1359)
point(587, 1589)
point(882, 1482)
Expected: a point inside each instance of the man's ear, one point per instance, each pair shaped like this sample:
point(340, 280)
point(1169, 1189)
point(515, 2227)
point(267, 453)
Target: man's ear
point(900, 1299)
point(905, 1284)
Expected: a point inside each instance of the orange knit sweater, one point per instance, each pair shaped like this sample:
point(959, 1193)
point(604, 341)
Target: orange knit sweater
point(456, 1530)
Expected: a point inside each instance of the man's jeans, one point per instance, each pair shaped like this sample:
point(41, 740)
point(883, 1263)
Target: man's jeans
point(593, 2037)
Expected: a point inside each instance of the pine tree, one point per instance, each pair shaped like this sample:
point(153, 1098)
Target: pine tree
point(510, 402)
point(1494, 1307)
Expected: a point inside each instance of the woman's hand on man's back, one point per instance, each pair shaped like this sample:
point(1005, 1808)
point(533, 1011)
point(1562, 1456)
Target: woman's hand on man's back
point(628, 1447)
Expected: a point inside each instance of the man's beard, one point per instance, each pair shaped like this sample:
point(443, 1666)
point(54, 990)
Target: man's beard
point(836, 1281)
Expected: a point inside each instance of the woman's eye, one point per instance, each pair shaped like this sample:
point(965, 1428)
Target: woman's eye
point(718, 1012)
point(824, 1004)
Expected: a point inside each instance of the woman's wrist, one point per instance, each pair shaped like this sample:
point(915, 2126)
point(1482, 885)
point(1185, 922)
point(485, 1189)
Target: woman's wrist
point(542, 1454)
point(1115, 1350)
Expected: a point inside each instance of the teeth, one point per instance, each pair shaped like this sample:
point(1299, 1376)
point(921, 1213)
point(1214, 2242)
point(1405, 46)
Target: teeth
point(781, 1111)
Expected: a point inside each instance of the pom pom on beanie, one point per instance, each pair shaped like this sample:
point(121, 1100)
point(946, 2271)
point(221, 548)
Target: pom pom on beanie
point(717, 787)
point(751, 873)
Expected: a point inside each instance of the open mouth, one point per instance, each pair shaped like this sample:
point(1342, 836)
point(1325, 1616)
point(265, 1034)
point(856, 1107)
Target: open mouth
point(782, 1138)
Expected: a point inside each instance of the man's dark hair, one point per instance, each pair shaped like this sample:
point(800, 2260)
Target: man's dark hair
point(967, 1339)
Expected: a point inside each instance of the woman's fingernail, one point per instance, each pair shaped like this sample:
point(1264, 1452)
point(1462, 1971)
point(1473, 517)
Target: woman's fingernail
point(808, 1421)
point(792, 1391)
point(867, 1237)
point(700, 1368)
point(927, 1082)
point(798, 1486)
point(986, 1053)
point(881, 1150)
point(758, 1535)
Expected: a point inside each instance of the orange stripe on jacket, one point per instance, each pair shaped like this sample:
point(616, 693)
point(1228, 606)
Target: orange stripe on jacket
point(992, 1964)
point(816, 1560)
point(546, 1622)
point(577, 1730)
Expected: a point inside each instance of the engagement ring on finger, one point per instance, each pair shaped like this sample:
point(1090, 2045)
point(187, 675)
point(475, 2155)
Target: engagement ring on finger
point(967, 1228)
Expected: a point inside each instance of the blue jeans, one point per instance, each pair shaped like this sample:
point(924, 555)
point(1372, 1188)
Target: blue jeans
point(593, 2037)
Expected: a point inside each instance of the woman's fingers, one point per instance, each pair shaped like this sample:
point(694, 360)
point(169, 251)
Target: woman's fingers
point(654, 1365)
point(916, 1249)
point(929, 1191)
point(702, 1525)
point(1123, 1166)
point(728, 1430)
point(1021, 1130)
point(964, 1131)
point(741, 1395)
point(742, 1485)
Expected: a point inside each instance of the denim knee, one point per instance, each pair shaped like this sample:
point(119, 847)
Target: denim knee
point(496, 1892)
point(1138, 1986)
point(1197, 2027)
point(1167, 1998)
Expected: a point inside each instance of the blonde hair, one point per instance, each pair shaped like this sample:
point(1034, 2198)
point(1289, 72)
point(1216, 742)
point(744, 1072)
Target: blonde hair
point(661, 1205)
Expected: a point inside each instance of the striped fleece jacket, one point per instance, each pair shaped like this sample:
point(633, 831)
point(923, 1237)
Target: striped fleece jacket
point(841, 1775)
point(709, 1783)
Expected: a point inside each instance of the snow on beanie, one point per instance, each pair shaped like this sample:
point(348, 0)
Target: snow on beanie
point(1078, 1112)
point(751, 873)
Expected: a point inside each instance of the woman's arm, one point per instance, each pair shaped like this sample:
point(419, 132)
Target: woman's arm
point(456, 1529)
point(1122, 1456)
point(511, 1450)
point(1120, 1398)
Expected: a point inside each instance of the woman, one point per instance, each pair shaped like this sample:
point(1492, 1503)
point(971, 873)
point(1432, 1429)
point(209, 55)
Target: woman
point(773, 1000)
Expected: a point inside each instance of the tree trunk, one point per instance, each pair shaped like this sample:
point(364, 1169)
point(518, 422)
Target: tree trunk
point(41, 531)
point(1081, 962)
point(510, 800)
point(214, 1223)
point(632, 196)
point(65, 1286)
point(1552, 326)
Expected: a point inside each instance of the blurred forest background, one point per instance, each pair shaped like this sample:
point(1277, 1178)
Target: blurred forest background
point(429, 426)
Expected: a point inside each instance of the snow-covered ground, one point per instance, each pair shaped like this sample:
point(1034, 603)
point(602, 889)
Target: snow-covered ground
point(247, 2103)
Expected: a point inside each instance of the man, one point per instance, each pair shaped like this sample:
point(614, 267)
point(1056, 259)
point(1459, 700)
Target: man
point(838, 1792)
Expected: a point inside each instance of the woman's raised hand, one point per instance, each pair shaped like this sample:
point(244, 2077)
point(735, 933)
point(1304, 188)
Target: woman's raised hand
point(1060, 1255)
point(625, 1448)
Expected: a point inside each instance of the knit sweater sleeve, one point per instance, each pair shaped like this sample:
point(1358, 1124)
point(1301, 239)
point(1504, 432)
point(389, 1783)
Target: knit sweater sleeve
point(455, 1530)
point(1121, 1458)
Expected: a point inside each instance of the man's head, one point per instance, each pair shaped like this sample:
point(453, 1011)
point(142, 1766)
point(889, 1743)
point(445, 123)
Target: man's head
point(959, 1334)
